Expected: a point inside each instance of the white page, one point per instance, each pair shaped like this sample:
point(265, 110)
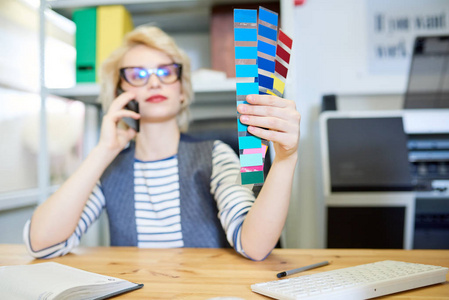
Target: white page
point(47, 280)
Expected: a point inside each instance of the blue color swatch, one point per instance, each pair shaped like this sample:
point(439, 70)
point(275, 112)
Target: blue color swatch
point(245, 15)
point(245, 34)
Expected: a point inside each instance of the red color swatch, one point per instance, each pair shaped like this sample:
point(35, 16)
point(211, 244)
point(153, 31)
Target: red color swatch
point(280, 69)
point(285, 39)
point(283, 54)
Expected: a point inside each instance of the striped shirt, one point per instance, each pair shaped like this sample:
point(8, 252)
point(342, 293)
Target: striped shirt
point(157, 204)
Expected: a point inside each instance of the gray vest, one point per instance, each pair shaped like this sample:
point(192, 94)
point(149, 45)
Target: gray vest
point(200, 225)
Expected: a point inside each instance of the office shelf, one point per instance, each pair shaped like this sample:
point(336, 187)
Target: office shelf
point(169, 15)
point(88, 92)
point(155, 4)
point(173, 16)
point(226, 85)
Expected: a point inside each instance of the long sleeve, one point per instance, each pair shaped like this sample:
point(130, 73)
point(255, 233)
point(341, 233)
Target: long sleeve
point(91, 212)
point(233, 200)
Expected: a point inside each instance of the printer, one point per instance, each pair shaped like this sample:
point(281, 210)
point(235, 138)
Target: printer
point(385, 174)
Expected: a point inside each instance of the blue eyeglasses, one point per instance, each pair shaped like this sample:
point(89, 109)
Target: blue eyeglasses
point(138, 76)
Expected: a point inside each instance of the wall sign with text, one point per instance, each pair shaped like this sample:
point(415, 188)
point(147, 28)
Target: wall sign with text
point(392, 27)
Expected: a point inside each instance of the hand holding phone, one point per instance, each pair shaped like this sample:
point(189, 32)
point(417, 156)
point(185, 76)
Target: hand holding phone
point(132, 105)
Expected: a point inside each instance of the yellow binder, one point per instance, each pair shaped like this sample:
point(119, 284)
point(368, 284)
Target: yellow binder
point(113, 22)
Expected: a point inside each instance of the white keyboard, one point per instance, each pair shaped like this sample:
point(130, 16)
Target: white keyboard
point(358, 282)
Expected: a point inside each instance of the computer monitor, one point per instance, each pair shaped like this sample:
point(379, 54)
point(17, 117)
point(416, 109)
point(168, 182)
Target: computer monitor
point(428, 82)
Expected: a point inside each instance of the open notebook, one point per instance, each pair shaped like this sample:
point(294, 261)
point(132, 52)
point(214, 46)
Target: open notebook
point(51, 280)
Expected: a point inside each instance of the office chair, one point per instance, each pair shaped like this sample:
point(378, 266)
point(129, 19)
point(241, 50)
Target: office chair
point(225, 130)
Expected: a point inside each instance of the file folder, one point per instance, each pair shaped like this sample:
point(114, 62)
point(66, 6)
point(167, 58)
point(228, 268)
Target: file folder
point(113, 22)
point(85, 43)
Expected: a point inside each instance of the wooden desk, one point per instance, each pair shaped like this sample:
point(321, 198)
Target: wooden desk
point(187, 273)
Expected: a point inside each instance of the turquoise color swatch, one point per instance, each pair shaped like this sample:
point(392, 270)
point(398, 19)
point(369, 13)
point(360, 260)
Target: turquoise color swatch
point(247, 88)
point(246, 71)
point(249, 160)
point(249, 142)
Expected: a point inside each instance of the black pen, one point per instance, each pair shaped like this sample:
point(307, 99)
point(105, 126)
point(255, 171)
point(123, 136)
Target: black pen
point(286, 273)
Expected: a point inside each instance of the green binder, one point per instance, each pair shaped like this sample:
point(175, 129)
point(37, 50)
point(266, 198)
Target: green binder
point(85, 43)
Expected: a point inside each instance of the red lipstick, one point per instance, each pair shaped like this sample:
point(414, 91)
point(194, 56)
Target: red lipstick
point(156, 99)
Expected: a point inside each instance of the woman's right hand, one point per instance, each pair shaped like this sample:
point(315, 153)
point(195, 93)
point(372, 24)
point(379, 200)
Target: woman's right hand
point(112, 137)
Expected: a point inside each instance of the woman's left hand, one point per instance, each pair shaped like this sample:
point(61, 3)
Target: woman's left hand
point(275, 119)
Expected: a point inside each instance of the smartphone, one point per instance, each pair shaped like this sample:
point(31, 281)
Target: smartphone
point(132, 105)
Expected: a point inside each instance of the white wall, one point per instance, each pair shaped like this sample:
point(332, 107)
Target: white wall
point(330, 56)
point(330, 48)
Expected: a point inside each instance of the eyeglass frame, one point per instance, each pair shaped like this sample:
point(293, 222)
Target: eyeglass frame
point(151, 72)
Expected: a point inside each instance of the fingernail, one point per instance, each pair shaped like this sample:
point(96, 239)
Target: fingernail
point(250, 97)
point(244, 118)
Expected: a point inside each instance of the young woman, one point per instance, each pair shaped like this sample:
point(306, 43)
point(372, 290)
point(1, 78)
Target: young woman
point(160, 188)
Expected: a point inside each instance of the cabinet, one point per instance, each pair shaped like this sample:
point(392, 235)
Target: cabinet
point(189, 23)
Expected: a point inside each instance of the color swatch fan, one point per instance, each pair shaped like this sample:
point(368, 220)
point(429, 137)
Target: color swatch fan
point(261, 64)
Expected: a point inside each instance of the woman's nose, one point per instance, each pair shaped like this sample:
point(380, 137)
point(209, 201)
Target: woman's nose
point(154, 81)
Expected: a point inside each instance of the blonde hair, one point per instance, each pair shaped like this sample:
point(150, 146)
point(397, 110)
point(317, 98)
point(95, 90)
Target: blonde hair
point(155, 38)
